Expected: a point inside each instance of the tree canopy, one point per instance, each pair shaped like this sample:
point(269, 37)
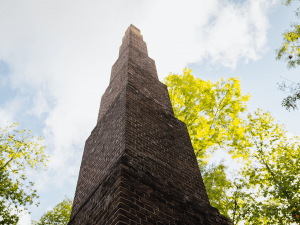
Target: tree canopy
point(211, 111)
point(59, 214)
point(18, 151)
point(266, 190)
point(290, 52)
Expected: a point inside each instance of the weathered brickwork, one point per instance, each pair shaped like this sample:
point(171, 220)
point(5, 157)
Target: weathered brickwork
point(138, 165)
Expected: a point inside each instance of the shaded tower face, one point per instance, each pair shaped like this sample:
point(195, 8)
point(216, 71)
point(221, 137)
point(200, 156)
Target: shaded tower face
point(138, 165)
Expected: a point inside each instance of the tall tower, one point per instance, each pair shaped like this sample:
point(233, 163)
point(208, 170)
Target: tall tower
point(138, 165)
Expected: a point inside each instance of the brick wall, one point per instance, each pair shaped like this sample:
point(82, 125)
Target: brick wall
point(138, 165)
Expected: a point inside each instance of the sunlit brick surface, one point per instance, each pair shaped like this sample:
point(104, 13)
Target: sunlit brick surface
point(138, 165)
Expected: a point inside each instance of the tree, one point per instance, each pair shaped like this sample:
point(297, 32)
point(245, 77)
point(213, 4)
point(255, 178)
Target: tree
point(274, 170)
point(290, 101)
point(17, 152)
point(267, 188)
point(213, 115)
point(59, 214)
point(217, 186)
point(290, 52)
point(211, 112)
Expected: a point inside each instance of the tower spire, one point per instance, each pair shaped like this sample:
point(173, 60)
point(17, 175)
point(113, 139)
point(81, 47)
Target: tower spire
point(138, 164)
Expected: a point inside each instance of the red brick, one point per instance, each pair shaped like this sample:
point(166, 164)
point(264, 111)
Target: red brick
point(138, 164)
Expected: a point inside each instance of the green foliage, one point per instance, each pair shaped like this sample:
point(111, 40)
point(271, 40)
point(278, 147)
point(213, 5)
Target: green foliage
point(212, 112)
point(290, 52)
point(267, 189)
point(287, 2)
point(16, 152)
point(290, 101)
point(213, 115)
point(217, 184)
point(60, 214)
point(274, 171)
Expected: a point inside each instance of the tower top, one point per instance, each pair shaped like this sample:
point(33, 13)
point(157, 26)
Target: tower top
point(133, 38)
point(134, 29)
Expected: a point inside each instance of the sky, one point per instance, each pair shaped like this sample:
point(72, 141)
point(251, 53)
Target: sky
point(56, 58)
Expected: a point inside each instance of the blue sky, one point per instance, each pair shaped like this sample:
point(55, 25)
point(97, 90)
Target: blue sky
point(56, 57)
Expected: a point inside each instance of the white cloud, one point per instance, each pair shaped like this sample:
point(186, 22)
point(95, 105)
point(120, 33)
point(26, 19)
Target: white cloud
point(64, 51)
point(40, 103)
point(9, 110)
point(24, 218)
point(222, 33)
point(5, 118)
point(291, 135)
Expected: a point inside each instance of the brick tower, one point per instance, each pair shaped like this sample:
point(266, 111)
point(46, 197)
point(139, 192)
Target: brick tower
point(138, 165)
